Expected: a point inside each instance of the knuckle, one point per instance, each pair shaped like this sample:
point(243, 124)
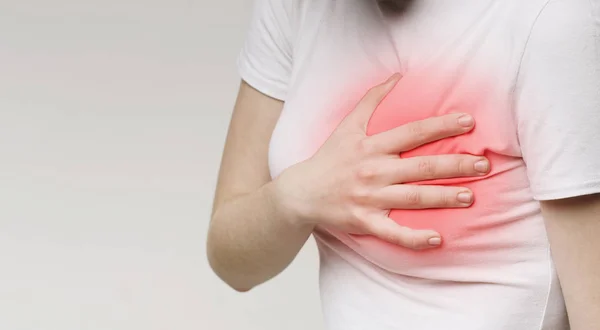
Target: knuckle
point(446, 199)
point(417, 131)
point(360, 195)
point(366, 173)
point(427, 168)
point(373, 90)
point(412, 242)
point(412, 198)
point(396, 238)
point(389, 237)
point(377, 89)
point(462, 166)
point(372, 95)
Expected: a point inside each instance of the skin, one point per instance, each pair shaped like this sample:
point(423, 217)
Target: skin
point(259, 225)
point(256, 231)
point(573, 227)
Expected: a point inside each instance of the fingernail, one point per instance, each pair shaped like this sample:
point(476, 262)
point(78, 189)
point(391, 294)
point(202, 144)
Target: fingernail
point(435, 241)
point(465, 121)
point(482, 166)
point(465, 197)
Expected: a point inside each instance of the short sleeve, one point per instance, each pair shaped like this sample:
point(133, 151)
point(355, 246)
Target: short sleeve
point(557, 100)
point(265, 61)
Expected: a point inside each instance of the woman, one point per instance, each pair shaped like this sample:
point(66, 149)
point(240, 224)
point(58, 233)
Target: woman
point(435, 238)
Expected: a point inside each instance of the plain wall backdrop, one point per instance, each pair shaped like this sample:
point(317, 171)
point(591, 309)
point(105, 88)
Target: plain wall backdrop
point(113, 115)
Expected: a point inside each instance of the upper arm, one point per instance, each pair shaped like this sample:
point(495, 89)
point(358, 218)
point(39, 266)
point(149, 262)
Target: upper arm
point(244, 164)
point(573, 227)
point(265, 61)
point(265, 65)
point(558, 112)
point(558, 100)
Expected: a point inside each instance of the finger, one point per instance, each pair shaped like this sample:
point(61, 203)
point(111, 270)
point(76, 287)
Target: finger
point(363, 111)
point(415, 197)
point(404, 170)
point(418, 133)
point(389, 231)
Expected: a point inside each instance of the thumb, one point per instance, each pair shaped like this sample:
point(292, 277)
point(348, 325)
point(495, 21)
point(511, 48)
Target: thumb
point(360, 116)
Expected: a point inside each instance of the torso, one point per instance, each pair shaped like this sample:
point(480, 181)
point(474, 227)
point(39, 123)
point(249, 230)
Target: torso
point(494, 270)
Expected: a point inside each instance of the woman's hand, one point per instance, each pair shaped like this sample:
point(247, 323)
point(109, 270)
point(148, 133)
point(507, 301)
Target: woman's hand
point(354, 180)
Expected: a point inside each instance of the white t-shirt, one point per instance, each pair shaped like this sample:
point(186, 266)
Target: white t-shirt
point(529, 72)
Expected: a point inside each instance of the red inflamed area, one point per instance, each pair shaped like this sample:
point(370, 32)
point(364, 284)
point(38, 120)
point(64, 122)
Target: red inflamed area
point(421, 95)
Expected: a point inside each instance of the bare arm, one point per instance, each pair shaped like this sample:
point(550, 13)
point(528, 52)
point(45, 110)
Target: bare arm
point(245, 216)
point(574, 231)
point(350, 184)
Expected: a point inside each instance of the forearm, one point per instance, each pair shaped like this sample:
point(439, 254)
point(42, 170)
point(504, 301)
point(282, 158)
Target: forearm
point(573, 229)
point(252, 238)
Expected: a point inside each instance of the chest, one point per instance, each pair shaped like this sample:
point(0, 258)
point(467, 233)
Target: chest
point(450, 62)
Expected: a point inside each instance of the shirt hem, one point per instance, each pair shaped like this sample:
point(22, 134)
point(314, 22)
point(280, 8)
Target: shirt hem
point(259, 83)
point(588, 188)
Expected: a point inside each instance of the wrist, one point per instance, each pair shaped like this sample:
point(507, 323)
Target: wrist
point(288, 205)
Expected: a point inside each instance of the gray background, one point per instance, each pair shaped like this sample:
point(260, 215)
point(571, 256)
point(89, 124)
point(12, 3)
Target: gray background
point(113, 115)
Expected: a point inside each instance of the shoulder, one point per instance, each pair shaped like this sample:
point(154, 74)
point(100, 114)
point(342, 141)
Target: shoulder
point(291, 17)
point(564, 44)
point(569, 21)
